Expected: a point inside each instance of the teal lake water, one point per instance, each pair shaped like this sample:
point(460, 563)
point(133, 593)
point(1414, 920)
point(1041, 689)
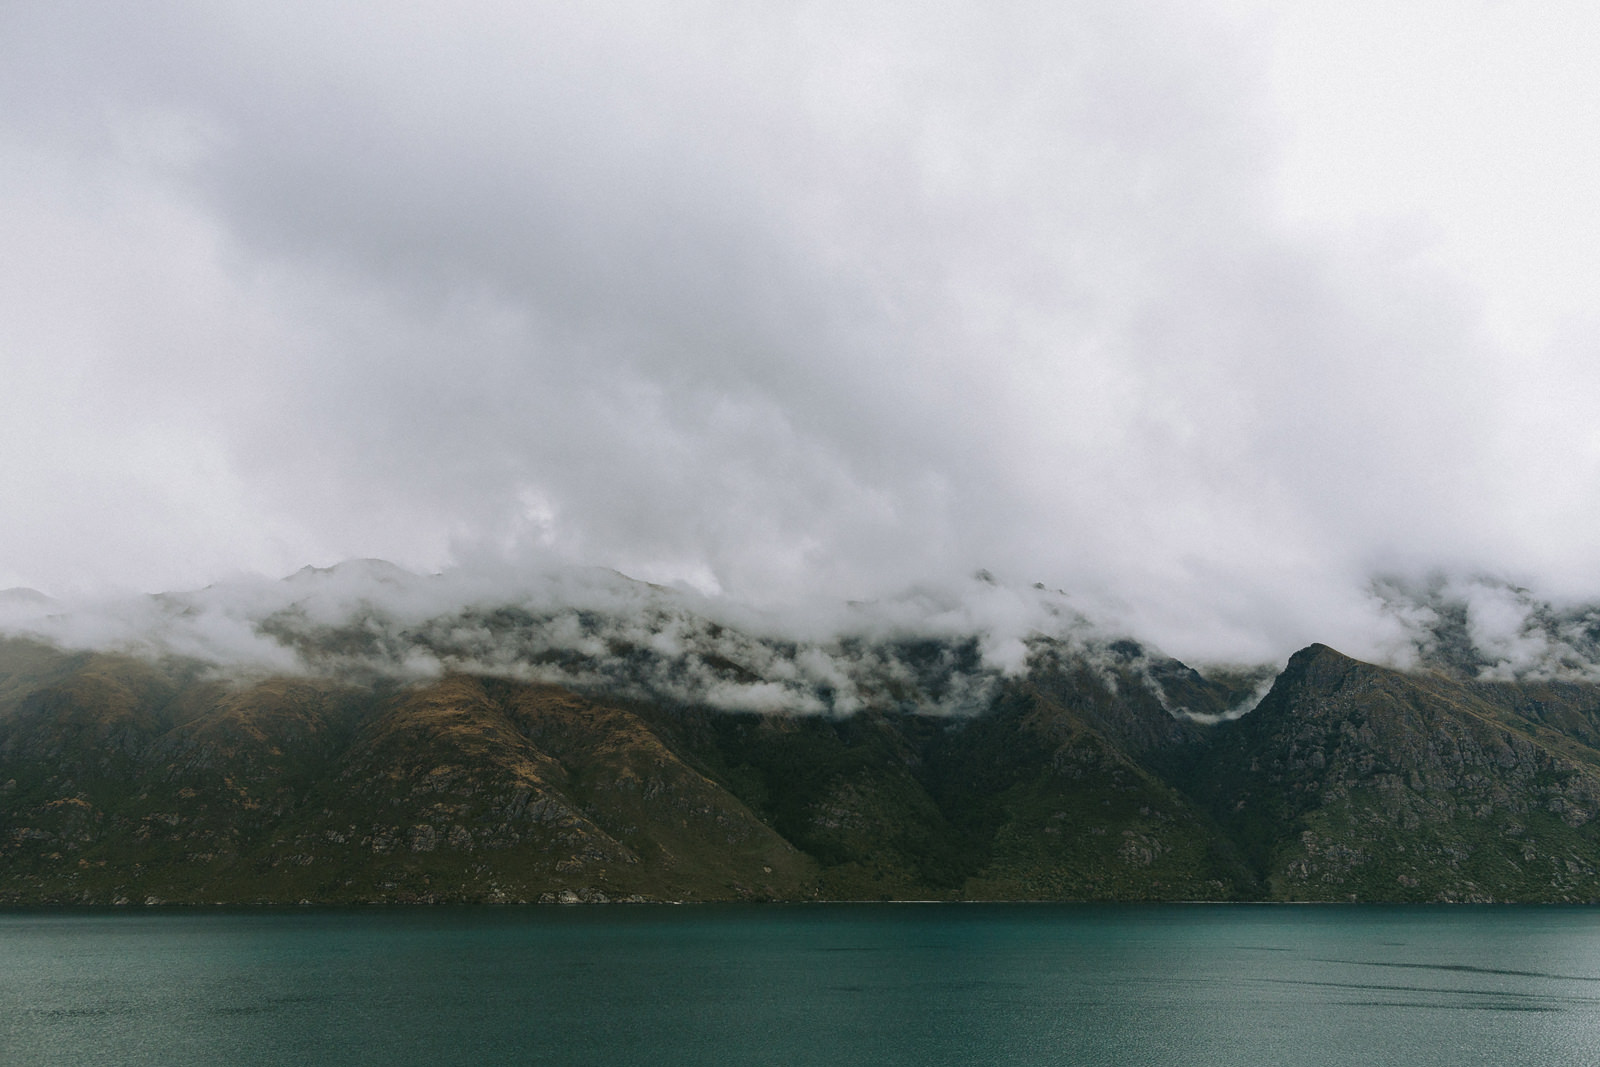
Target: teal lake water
point(796, 985)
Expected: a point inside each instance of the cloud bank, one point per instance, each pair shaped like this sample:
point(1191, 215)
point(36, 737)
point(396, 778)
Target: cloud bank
point(932, 651)
point(826, 302)
point(941, 652)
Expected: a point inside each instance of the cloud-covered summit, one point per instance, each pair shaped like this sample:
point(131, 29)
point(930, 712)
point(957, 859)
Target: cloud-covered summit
point(1490, 629)
point(830, 300)
point(938, 651)
point(942, 650)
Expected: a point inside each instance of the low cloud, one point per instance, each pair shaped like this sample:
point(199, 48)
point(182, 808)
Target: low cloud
point(1492, 629)
point(787, 306)
point(940, 650)
point(931, 651)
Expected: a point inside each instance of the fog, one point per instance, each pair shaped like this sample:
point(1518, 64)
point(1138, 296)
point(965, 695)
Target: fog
point(932, 651)
point(929, 651)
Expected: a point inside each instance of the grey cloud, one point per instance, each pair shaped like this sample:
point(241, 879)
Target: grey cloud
point(940, 651)
point(1492, 629)
point(832, 301)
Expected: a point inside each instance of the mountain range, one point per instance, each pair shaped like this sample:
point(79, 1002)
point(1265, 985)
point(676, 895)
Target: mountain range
point(621, 748)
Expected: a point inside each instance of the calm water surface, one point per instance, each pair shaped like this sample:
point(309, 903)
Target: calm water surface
point(795, 985)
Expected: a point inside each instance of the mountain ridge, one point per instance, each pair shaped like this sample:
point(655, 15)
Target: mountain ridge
point(130, 780)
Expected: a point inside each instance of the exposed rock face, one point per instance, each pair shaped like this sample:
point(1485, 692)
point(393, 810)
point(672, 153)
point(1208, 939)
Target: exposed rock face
point(125, 780)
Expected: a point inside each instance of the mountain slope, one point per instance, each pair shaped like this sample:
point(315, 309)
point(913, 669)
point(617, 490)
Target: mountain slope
point(131, 781)
point(1351, 781)
point(1095, 775)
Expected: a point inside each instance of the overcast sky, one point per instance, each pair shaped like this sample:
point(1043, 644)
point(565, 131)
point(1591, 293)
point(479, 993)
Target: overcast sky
point(1205, 313)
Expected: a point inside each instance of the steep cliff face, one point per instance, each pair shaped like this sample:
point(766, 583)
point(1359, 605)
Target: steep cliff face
point(1355, 781)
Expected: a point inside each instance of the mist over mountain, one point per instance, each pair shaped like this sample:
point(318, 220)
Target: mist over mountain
point(932, 650)
point(888, 448)
point(1493, 630)
point(1121, 297)
point(365, 733)
point(594, 626)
